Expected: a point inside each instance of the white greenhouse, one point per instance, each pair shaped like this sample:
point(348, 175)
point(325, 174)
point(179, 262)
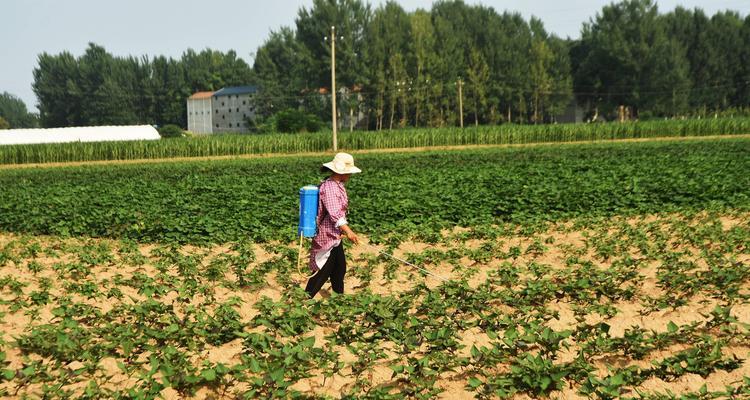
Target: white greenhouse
point(79, 134)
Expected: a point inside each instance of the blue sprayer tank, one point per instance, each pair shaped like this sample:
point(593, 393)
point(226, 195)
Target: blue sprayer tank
point(308, 210)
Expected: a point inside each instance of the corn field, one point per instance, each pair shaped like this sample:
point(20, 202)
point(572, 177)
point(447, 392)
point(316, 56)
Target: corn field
point(230, 145)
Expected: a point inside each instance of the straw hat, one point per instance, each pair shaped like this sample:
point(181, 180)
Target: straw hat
point(343, 163)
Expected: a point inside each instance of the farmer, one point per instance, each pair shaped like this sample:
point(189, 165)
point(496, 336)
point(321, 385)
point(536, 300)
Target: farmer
point(327, 254)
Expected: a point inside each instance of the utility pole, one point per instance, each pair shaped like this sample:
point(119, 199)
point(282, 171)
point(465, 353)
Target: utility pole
point(333, 86)
point(460, 102)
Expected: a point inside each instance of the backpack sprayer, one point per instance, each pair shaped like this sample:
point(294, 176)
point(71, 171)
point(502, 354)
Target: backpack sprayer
point(308, 216)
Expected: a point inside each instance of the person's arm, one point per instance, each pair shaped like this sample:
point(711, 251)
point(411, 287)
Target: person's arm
point(336, 212)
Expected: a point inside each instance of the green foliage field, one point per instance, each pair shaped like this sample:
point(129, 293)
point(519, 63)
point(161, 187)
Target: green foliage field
point(610, 270)
point(230, 200)
point(230, 145)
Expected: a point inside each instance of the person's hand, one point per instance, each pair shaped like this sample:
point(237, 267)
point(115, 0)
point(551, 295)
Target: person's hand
point(353, 237)
point(349, 234)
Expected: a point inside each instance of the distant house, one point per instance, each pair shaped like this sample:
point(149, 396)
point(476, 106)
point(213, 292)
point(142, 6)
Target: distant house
point(224, 111)
point(573, 113)
point(350, 103)
point(199, 112)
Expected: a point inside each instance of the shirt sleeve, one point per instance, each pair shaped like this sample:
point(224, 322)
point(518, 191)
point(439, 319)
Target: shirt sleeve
point(334, 206)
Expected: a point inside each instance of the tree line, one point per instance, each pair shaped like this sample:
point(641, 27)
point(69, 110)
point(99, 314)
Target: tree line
point(98, 88)
point(14, 114)
point(397, 68)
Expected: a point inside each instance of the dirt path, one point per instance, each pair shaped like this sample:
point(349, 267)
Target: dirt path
point(365, 151)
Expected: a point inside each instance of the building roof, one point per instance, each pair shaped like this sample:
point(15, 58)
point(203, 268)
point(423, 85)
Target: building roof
point(201, 95)
point(79, 134)
point(236, 90)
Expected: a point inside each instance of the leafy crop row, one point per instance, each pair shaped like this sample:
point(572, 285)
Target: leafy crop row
point(500, 336)
point(224, 145)
point(222, 201)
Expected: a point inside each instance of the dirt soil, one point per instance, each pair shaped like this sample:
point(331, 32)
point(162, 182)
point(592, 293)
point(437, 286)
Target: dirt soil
point(31, 273)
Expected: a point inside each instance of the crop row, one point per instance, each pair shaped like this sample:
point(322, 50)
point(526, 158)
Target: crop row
point(589, 308)
point(231, 200)
point(223, 145)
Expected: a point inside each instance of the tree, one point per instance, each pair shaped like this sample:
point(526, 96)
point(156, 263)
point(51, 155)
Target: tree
point(387, 35)
point(724, 33)
point(279, 66)
point(560, 73)
point(552, 87)
point(350, 19)
point(425, 61)
point(541, 80)
point(99, 88)
point(477, 74)
point(714, 49)
point(630, 60)
point(397, 88)
point(511, 66)
point(168, 87)
point(451, 20)
point(56, 88)
point(744, 74)
point(4, 124)
point(14, 113)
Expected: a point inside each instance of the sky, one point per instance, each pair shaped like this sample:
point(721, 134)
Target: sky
point(169, 27)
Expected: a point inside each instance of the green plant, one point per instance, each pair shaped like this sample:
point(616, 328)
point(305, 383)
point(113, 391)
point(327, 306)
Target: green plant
point(222, 145)
point(295, 121)
point(170, 131)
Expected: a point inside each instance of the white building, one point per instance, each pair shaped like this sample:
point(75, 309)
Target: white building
point(78, 134)
point(225, 111)
point(199, 112)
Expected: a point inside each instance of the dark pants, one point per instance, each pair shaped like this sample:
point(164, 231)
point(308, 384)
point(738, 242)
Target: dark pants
point(334, 268)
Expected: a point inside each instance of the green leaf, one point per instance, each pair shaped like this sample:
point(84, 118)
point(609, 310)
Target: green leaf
point(545, 382)
point(278, 375)
point(474, 351)
point(474, 382)
point(9, 374)
point(308, 342)
point(255, 366)
point(209, 374)
point(28, 371)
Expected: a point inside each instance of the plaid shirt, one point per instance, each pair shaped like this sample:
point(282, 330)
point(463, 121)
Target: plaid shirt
point(333, 203)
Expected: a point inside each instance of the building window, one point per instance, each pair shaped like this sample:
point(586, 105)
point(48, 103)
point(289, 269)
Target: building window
point(222, 104)
point(217, 125)
point(244, 115)
point(223, 117)
point(243, 102)
point(217, 110)
point(230, 110)
point(238, 109)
